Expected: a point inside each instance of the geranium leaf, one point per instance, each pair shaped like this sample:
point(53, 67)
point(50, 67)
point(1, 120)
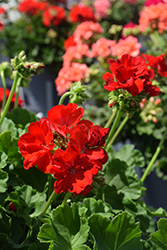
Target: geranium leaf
point(28, 202)
point(3, 181)
point(93, 206)
point(8, 145)
point(3, 159)
point(133, 157)
point(121, 233)
point(21, 116)
point(123, 178)
point(66, 229)
point(8, 244)
point(8, 125)
point(159, 238)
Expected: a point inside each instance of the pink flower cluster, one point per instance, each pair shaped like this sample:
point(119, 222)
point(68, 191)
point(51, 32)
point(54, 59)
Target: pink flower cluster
point(70, 74)
point(86, 42)
point(101, 8)
point(77, 47)
point(128, 45)
point(154, 16)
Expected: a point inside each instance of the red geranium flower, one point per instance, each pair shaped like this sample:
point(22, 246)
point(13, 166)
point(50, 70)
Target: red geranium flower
point(53, 15)
point(32, 7)
point(36, 145)
point(157, 63)
point(64, 117)
point(20, 101)
point(90, 138)
point(81, 13)
point(131, 73)
point(73, 170)
point(2, 10)
point(69, 42)
point(1, 25)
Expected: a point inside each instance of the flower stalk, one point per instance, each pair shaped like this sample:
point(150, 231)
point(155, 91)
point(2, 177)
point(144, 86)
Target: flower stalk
point(117, 132)
point(64, 96)
point(9, 98)
point(158, 150)
point(115, 124)
point(4, 88)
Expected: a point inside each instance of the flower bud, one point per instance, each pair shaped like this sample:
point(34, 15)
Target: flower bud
point(12, 207)
point(5, 67)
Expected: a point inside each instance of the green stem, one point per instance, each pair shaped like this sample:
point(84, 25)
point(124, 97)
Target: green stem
point(117, 132)
point(64, 96)
point(66, 198)
point(154, 157)
point(119, 113)
point(4, 89)
point(49, 202)
point(17, 92)
point(107, 125)
point(9, 99)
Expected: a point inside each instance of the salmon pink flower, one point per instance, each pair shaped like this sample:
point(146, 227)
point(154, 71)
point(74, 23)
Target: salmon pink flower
point(154, 17)
point(103, 47)
point(128, 45)
point(68, 75)
point(36, 145)
point(87, 30)
point(102, 8)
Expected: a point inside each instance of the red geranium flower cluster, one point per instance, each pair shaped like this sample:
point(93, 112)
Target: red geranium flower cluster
point(130, 73)
point(54, 15)
point(67, 147)
point(20, 101)
point(81, 13)
point(157, 63)
point(32, 7)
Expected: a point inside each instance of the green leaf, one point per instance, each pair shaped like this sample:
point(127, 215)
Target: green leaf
point(8, 244)
point(133, 157)
point(66, 229)
point(29, 177)
point(93, 206)
point(3, 181)
point(8, 145)
point(159, 238)
point(3, 159)
point(28, 202)
point(22, 116)
point(121, 233)
point(123, 178)
point(8, 125)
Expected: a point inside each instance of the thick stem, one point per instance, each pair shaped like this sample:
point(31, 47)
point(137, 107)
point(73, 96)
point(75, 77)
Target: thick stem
point(154, 157)
point(17, 92)
point(108, 123)
point(49, 202)
point(4, 89)
point(119, 113)
point(117, 132)
point(66, 198)
point(63, 97)
point(9, 98)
